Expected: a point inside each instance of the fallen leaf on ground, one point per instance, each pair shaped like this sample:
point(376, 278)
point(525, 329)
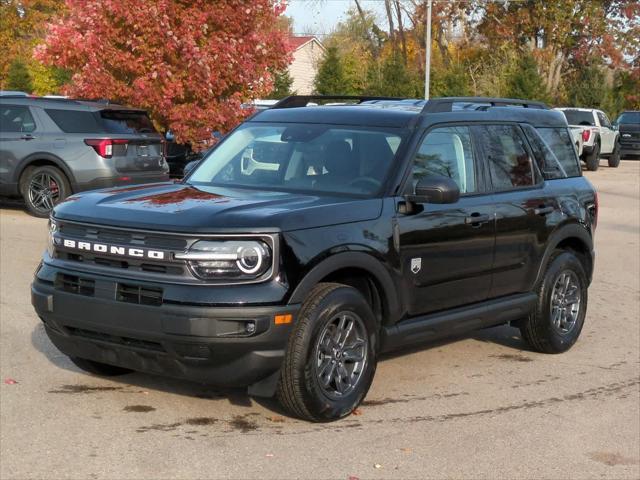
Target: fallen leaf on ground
point(357, 412)
point(10, 381)
point(269, 455)
point(352, 477)
point(377, 465)
point(277, 419)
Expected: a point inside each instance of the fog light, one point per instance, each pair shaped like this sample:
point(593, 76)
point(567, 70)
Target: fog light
point(250, 327)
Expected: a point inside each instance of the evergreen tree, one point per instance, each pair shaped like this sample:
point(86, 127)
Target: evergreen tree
point(282, 83)
point(588, 87)
point(392, 79)
point(18, 77)
point(524, 81)
point(330, 77)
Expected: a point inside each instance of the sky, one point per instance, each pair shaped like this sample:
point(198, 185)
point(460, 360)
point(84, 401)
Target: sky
point(319, 17)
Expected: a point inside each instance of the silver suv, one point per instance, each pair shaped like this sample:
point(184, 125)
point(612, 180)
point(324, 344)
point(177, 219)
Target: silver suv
point(51, 148)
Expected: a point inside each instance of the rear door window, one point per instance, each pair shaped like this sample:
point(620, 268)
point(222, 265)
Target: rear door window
point(126, 122)
point(510, 165)
point(16, 119)
point(74, 121)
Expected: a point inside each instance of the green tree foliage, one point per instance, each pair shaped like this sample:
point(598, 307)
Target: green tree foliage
point(18, 77)
point(524, 80)
point(282, 83)
point(330, 78)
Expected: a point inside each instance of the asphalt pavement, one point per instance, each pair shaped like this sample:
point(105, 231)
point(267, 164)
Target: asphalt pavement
point(481, 406)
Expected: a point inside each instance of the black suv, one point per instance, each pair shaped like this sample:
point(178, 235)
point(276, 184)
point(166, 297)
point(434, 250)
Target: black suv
point(628, 123)
point(50, 148)
point(312, 239)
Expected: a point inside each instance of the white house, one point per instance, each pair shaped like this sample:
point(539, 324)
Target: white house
point(307, 53)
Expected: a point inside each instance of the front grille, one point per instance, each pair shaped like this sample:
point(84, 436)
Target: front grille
point(120, 237)
point(75, 284)
point(139, 295)
point(116, 339)
point(128, 264)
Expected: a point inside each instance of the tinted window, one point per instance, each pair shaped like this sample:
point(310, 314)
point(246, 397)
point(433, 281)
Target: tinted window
point(555, 151)
point(604, 121)
point(74, 121)
point(308, 157)
point(579, 117)
point(509, 162)
point(16, 119)
point(128, 122)
point(447, 152)
point(629, 117)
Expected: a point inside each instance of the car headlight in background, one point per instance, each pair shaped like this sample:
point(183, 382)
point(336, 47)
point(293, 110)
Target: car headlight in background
point(626, 135)
point(229, 259)
point(53, 228)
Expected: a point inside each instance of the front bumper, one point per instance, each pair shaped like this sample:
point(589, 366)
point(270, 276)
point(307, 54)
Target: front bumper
point(184, 341)
point(629, 148)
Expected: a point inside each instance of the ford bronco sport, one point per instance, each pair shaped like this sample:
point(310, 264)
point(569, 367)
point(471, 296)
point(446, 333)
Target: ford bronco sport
point(312, 239)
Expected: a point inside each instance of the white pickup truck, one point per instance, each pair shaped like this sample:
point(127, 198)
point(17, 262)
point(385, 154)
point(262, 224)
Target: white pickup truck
point(599, 137)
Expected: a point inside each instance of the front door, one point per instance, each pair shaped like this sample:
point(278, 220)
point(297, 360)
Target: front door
point(17, 136)
point(446, 250)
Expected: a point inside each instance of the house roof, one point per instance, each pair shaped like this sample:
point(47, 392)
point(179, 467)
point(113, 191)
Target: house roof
point(299, 41)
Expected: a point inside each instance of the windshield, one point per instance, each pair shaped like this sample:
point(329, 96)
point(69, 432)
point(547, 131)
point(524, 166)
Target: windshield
point(579, 117)
point(629, 117)
point(309, 157)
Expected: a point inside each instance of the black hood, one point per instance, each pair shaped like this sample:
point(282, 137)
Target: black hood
point(187, 208)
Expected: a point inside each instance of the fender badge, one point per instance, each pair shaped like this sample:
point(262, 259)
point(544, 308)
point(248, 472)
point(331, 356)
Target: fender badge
point(416, 265)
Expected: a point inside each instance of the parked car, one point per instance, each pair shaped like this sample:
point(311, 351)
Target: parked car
point(600, 138)
point(628, 125)
point(51, 148)
point(310, 240)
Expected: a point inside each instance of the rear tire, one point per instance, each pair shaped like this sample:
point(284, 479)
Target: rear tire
point(331, 355)
point(556, 323)
point(97, 368)
point(593, 159)
point(42, 188)
point(614, 159)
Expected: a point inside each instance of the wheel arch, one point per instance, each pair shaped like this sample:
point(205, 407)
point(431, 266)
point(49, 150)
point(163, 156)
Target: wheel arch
point(361, 271)
point(575, 238)
point(42, 159)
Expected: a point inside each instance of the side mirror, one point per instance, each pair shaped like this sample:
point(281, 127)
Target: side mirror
point(190, 166)
point(436, 189)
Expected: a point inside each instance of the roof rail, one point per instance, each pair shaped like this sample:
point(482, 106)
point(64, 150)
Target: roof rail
point(294, 101)
point(445, 104)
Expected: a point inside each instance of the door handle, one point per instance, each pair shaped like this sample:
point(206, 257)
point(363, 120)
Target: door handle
point(543, 210)
point(476, 219)
point(27, 136)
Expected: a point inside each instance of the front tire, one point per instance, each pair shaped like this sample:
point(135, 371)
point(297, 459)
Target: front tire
point(331, 355)
point(42, 188)
point(593, 159)
point(97, 368)
point(557, 321)
point(614, 159)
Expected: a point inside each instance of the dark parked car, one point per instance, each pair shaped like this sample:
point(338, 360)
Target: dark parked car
point(312, 239)
point(628, 124)
point(51, 148)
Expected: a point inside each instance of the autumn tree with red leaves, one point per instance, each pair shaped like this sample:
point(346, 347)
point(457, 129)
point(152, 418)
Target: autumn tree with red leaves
point(190, 63)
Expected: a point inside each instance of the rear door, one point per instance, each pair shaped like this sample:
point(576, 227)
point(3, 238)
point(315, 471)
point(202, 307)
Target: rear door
point(446, 251)
point(607, 133)
point(18, 139)
point(522, 207)
point(141, 147)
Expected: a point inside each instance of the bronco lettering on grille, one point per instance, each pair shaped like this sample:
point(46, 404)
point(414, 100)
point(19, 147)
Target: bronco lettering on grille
point(113, 249)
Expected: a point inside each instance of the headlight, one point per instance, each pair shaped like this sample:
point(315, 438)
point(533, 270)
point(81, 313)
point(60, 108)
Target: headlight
point(229, 259)
point(53, 228)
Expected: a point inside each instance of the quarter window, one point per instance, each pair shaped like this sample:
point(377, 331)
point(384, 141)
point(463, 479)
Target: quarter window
point(554, 148)
point(16, 119)
point(509, 161)
point(447, 152)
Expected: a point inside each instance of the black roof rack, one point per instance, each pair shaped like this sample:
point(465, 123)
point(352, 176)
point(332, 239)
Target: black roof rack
point(294, 101)
point(445, 104)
